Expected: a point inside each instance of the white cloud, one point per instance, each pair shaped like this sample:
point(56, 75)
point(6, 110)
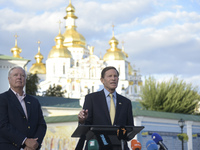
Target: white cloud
point(167, 17)
point(161, 37)
point(33, 6)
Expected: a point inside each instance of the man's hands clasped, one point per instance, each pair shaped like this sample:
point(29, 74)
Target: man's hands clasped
point(31, 144)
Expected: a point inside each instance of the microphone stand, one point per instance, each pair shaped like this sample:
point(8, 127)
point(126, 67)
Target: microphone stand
point(122, 135)
point(122, 144)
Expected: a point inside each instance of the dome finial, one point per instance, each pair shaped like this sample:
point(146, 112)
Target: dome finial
point(123, 46)
point(113, 26)
point(16, 50)
point(59, 26)
point(70, 1)
point(39, 42)
point(16, 36)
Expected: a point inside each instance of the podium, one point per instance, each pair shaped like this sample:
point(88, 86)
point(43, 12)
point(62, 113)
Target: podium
point(107, 136)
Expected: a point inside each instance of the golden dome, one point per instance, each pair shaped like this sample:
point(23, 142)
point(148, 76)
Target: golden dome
point(71, 37)
point(70, 11)
point(38, 67)
point(16, 50)
point(59, 50)
point(70, 8)
point(114, 53)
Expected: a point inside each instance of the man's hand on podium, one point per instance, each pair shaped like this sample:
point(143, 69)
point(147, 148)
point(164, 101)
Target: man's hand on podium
point(82, 116)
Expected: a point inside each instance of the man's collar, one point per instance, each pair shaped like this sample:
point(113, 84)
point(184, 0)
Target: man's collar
point(24, 94)
point(107, 92)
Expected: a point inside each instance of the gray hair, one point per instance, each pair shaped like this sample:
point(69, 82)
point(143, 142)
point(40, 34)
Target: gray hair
point(16, 67)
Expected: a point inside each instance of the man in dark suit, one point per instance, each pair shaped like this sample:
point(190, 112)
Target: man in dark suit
point(97, 106)
point(22, 125)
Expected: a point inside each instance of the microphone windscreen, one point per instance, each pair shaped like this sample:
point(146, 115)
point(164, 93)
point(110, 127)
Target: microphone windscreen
point(93, 145)
point(156, 137)
point(151, 145)
point(135, 145)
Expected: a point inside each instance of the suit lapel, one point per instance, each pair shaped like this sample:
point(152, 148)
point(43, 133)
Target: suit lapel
point(119, 104)
point(14, 100)
point(105, 110)
point(28, 105)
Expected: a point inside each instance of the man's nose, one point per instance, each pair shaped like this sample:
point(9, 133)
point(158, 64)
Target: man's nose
point(19, 76)
point(113, 77)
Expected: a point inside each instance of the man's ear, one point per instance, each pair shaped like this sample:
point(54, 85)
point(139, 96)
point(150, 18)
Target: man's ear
point(101, 80)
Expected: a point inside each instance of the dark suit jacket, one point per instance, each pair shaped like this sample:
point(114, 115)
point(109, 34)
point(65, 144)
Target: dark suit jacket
point(98, 113)
point(14, 127)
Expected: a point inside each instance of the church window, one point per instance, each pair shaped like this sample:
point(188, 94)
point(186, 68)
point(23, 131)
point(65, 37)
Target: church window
point(77, 63)
point(135, 89)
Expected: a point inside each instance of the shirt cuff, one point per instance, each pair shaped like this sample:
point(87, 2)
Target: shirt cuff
point(24, 141)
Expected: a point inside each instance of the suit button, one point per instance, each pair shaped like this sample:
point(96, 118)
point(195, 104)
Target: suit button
point(24, 117)
point(29, 127)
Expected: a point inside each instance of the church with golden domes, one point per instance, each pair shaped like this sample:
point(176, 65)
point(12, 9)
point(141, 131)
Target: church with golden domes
point(73, 65)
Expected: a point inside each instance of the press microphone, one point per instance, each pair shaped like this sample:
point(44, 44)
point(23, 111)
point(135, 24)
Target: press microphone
point(104, 141)
point(151, 145)
point(93, 145)
point(158, 140)
point(135, 145)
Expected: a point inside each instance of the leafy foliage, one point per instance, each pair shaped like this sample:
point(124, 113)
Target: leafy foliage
point(172, 96)
point(183, 136)
point(54, 91)
point(31, 84)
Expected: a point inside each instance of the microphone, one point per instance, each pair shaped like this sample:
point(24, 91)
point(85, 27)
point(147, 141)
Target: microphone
point(93, 145)
point(151, 145)
point(158, 140)
point(104, 142)
point(135, 145)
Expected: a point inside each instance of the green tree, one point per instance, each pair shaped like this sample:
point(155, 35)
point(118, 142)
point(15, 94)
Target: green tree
point(32, 81)
point(171, 96)
point(54, 91)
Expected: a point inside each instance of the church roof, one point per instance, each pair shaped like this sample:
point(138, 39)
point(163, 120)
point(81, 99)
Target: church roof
point(58, 102)
point(137, 111)
point(5, 57)
point(58, 119)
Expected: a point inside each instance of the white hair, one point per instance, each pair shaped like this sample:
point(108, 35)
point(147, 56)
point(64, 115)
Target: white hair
point(16, 67)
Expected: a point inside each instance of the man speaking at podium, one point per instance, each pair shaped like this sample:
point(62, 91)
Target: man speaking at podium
point(107, 107)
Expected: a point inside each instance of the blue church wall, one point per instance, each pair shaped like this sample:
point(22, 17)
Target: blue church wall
point(196, 141)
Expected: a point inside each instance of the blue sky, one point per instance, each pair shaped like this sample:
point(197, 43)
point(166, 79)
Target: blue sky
point(162, 38)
